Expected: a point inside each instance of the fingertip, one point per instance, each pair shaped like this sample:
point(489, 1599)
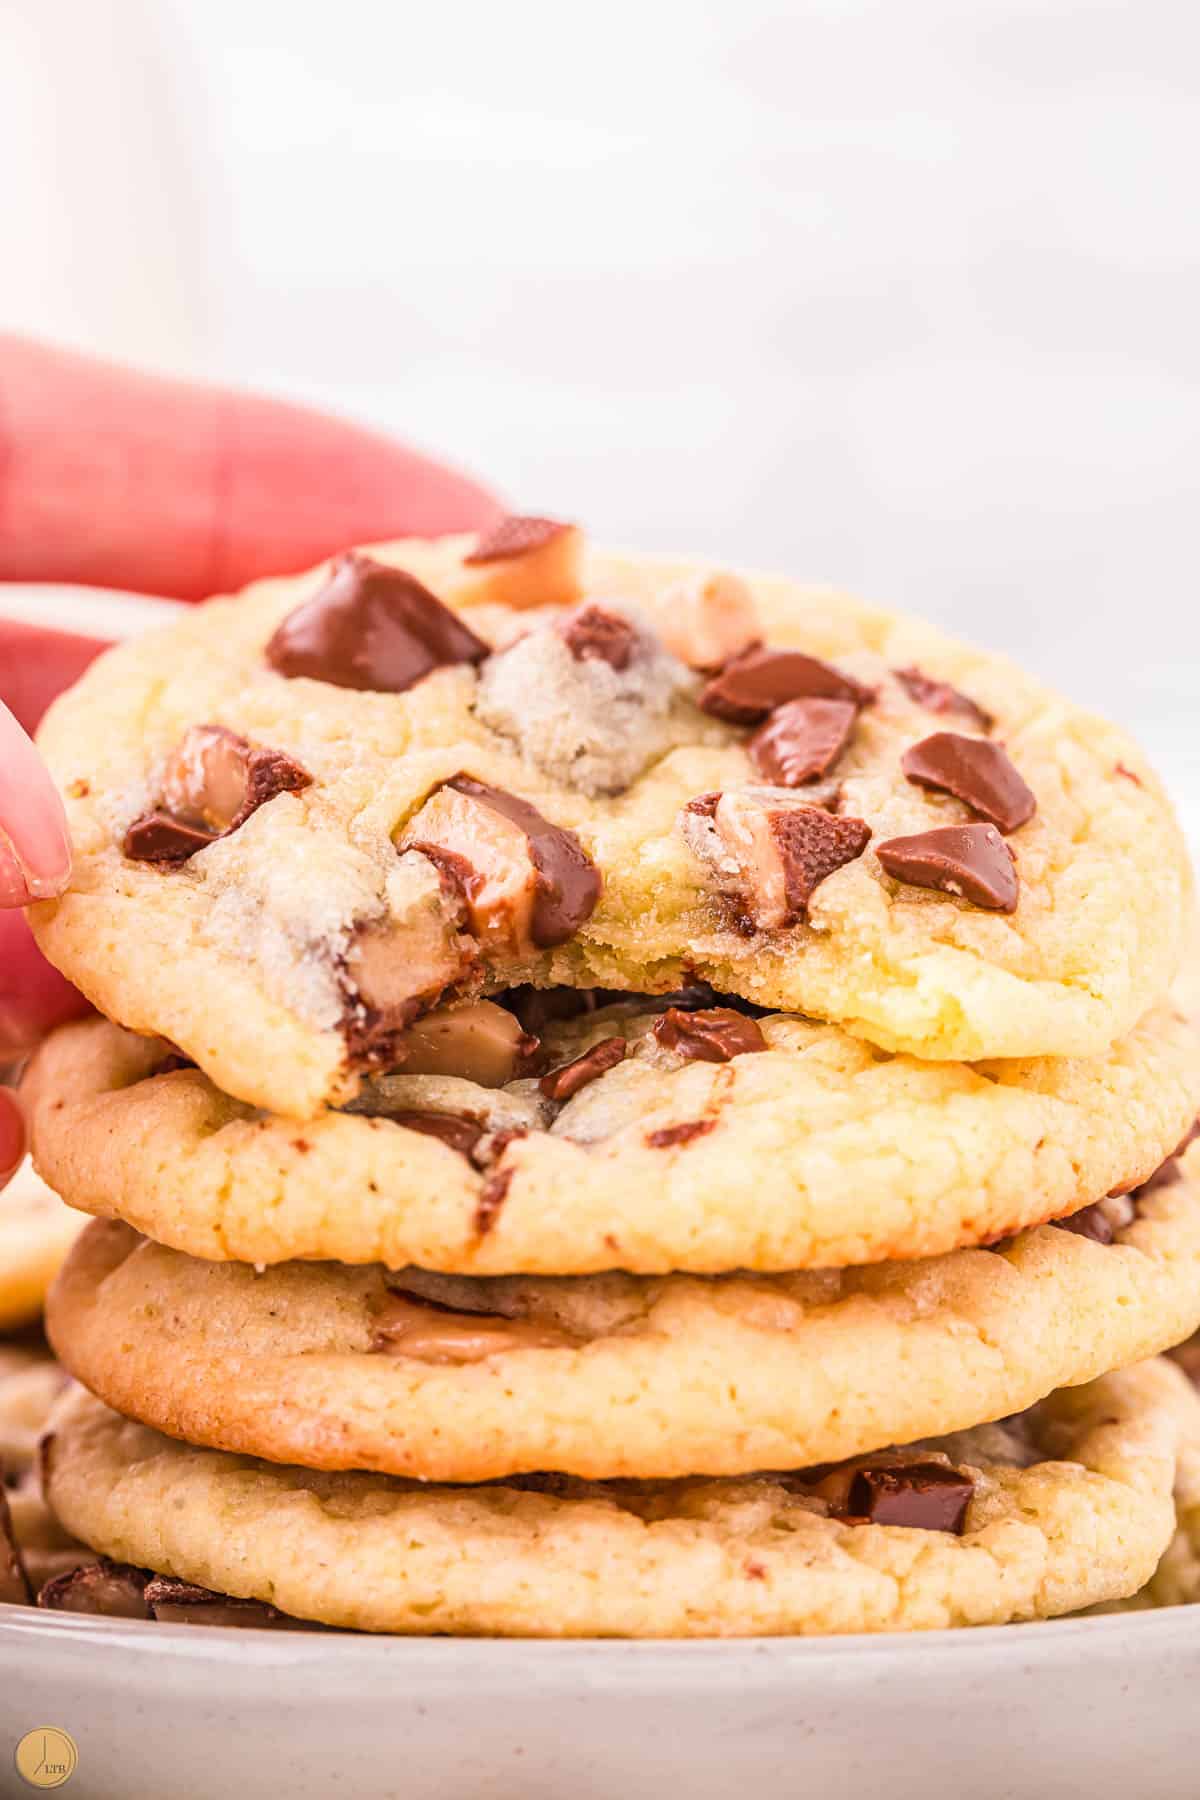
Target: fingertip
point(12, 1137)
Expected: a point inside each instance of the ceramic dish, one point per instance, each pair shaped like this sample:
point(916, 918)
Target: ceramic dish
point(1100, 1707)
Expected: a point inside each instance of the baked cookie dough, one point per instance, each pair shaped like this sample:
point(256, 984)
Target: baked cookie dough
point(1065, 1506)
point(450, 1378)
point(36, 1231)
point(641, 1158)
point(1176, 1581)
point(304, 815)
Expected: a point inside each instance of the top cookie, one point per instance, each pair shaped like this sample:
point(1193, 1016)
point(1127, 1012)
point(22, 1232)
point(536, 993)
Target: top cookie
point(307, 814)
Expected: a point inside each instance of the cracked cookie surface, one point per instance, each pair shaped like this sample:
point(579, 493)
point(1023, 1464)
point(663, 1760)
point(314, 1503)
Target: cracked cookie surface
point(464, 1379)
point(640, 1164)
point(319, 871)
point(1023, 1537)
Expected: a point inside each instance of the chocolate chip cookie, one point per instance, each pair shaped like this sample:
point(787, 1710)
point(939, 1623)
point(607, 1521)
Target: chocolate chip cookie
point(452, 1378)
point(1067, 1505)
point(36, 1231)
point(306, 816)
point(623, 1136)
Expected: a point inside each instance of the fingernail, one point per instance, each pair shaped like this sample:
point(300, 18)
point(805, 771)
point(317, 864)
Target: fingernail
point(19, 884)
point(14, 888)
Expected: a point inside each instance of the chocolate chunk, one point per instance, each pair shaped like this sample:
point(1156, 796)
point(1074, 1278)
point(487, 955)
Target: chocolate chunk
point(115, 1590)
point(592, 634)
point(374, 628)
point(459, 1133)
point(14, 1583)
point(567, 880)
point(562, 1083)
point(759, 680)
point(716, 1035)
point(976, 772)
point(668, 1136)
point(1089, 1222)
point(812, 844)
point(940, 697)
point(213, 782)
point(157, 837)
point(1168, 1172)
point(972, 861)
point(922, 1496)
point(174, 1602)
point(801, 740)
point(515, 536)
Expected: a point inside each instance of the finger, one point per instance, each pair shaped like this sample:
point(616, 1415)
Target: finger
point(116, 478)
point(12, 1138)
point(36, 664)
point(34, 998)
point(35, 851)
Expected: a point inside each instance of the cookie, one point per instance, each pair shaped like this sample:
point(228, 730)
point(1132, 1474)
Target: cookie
point(1067, 1505)
point(36, 1231)
point(630, 1151)
point(306, 815)
point(1176, 1580)
point(460, 1379)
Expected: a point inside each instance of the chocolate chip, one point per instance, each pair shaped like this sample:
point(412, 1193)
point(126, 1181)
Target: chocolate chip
point(760, 679)
point(976, 772)
point(922, 1496)
point(568, 882)
point(371, 627)
point(459, 1133)
point(940, 697)
point(801, 740)
point(1090, 1222)
point(213, 782)
point(561, 1084)
point(716, 1035)
point(515, 536)
point(174, 1602)
point(972, 861)
point(1169, 1171)
point(669, 1135)
point(14, 1583)
point(592, 634)
point(158, 837)
point(813, 844)
point(115, 1590)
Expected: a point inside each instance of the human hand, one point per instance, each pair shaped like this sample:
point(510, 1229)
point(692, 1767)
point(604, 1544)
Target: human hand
point(114, 478)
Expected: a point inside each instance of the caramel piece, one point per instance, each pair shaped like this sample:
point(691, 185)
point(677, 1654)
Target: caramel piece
point(526, 883)
point(772, 849)
point(392, 973)
point(213, 782)
point(431, 1333)
point(524, 562)
point(708, 621)
point(480, 1042)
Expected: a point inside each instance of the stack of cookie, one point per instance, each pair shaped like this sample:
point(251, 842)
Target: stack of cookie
point(628, 1100)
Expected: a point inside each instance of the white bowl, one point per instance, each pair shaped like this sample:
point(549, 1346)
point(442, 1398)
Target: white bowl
point(1099, 1708)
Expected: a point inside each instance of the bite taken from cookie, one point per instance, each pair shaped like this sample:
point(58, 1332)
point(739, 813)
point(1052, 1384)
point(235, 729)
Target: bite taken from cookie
point(308, 815)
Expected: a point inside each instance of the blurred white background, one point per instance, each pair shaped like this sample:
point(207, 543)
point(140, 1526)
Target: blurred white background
point(903, 295)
